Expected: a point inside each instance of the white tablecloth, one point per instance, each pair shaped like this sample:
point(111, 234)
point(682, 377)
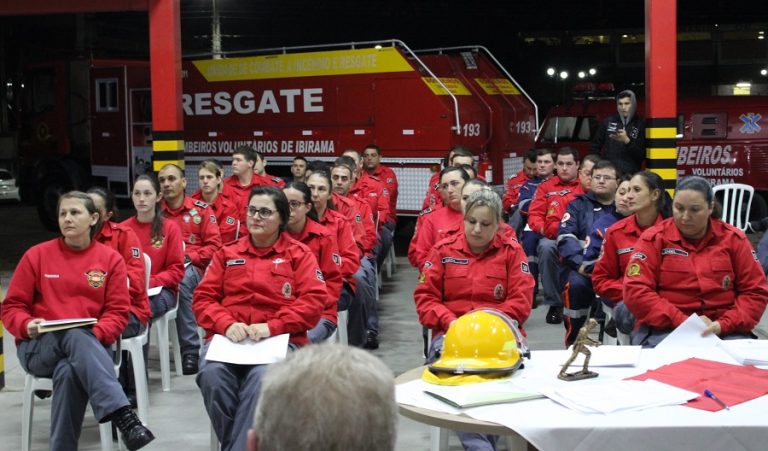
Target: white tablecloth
point(550, 426)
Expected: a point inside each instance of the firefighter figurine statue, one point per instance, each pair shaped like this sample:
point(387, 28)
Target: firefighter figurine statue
point(580, 347)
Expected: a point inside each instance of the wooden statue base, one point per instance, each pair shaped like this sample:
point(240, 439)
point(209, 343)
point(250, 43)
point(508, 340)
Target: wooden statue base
point(580, 375)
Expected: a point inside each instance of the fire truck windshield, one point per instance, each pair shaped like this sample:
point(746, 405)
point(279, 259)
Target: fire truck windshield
point(568, 128)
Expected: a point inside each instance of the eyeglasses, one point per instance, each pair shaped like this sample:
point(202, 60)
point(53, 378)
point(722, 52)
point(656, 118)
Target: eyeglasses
point(263, 212)
point(452, 183)
point(294, 204)
point(601, 178)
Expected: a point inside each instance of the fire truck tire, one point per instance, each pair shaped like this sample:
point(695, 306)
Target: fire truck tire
point(49, 192)
point(759, 208)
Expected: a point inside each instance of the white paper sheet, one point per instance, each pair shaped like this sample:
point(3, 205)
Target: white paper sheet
point(608, 356)
point(248, 352)
point(688, 334)
point(619, 396)
point(747, 352)
point(154, 291)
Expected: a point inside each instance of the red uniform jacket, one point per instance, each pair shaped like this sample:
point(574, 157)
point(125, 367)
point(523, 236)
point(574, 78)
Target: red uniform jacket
point(167, 255)
point(199, 230)
point(53, 281)
point(549, 204)
point(427, 233)
point(241, 194)
point(348, 207)
point(124, 240)
point(513, 190)
point(371, 190)
point(281, 286)
point(386, 176)
point(619, 242)
point(455, 281)
point(268, 180)
point(322, 242)
point(433, 200)
point(350, 254)
point(669, 278)
point(228, 210)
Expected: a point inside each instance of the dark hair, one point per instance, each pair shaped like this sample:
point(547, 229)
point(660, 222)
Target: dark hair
point(317, 165)
point(531, 155)
point(594, 158)
point(476, 182)
point(696, 183)
point(156, 230)
point(246, 152)
point(87, 203)
point(565, 151)
point(278, 197)
point(461, 151)
point(109, 203)
point(258, 156)
point(653, 182)
point(469, 167)
point(307, 194)
point(300, 158)
point(173, 165)
point(546, 151)
point(450, 169)
point(374, 147)
point(325, 175)
point(606, 164)
point(346, 162)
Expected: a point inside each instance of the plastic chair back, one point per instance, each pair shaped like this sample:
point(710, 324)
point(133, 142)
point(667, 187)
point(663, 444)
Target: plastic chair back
point(736, 199)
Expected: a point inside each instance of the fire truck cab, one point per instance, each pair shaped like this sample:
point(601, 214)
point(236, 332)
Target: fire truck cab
point(723, 139)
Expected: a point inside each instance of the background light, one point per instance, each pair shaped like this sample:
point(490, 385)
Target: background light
point(592, 71)
point(582, 74)
point(551, 71)
point(563, 75)
point(763, 72)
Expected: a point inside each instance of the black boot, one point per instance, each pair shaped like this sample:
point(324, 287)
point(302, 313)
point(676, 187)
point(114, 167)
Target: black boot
point(135, 435)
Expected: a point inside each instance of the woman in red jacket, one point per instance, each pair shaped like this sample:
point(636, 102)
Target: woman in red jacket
point(479, 268)
point(693, 263)
point(262, 285)
point(303, 227)
point(226, 207)
point(74, 277)
point(648, 204)
point(161, 240)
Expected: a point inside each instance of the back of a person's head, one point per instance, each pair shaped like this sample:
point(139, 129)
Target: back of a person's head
point(327, 397)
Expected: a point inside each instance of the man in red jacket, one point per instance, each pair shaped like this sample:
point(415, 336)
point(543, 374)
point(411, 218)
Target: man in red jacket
point(201, 237)
point(509, 201)
point(547, 209)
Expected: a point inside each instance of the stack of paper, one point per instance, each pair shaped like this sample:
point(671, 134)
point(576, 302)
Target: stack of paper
point(62, 324)
point(248, 352)
point(747, 352)
point(618, 396)
point(472, 395)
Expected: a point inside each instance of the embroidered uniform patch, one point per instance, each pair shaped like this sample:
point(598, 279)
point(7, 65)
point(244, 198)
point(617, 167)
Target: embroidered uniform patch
point(213, 219)
point(230, 220)
point(498, 292)
point(726, 282)
point(96, 278)
point(566, 216)
point(638, 256)
point(135, 252)
point(456, 261)
point(674, 251)
point(624, 250)
point(319, 275)
point(336, 259)
point(287, 290)
point(524, 268)
point(235, 262)
point(633, 270)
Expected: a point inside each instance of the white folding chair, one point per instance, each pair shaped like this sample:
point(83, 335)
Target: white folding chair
point(340, 336)
point(166, 336)
point(736, 199)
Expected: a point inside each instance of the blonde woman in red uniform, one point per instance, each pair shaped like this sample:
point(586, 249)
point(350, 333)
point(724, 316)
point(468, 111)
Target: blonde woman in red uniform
point(74, 277)
point(304, 228)
point(226, 207)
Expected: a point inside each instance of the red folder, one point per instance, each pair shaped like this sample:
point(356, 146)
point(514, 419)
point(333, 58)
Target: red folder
point(733, 384)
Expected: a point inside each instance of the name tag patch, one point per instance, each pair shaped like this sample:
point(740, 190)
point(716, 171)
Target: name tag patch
point(455, 261)
point(624, 250)
point(235, 262)
point(674, 251)
point(638, 256)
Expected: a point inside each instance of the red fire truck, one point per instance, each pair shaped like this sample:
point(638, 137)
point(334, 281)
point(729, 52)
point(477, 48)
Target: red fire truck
point(723, 139)
point(90, 121)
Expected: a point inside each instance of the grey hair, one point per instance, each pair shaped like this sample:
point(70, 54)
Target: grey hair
point(484, 198)
point(695, 183)
point(327, 397)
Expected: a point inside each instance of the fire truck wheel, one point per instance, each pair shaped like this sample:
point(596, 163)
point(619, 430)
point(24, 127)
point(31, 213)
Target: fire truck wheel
point(759, 209)
point(50, 191)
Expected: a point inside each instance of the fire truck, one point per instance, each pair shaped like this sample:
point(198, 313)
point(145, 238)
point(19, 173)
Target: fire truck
point(723, 139)
point(89, 121)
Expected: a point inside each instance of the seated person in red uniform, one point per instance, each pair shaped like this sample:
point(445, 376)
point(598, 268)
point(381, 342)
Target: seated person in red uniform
point(431, 223)
point(225, 206)
point(475, 269)
point(303, 227)
point(647, 204)
point(161, 240)
point(694, 263)
point(262, 285)
point(74, 277)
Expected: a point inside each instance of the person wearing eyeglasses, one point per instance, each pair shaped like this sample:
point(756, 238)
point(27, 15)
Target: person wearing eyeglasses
point(577, 222)
point(303, 227)
point(544, 215)
point(429, 224)
point(201, 237)
point(264, 284)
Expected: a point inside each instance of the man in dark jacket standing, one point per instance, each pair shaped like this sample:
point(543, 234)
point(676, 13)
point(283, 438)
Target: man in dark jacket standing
point(621, 137)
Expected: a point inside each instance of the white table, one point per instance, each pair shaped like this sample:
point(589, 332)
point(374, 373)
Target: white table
point(550, 426)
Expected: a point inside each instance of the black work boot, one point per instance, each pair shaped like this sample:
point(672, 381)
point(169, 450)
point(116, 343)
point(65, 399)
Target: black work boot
point(135, 435)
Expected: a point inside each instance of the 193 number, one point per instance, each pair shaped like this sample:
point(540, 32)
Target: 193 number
point(471, 129)
point(521, 128)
